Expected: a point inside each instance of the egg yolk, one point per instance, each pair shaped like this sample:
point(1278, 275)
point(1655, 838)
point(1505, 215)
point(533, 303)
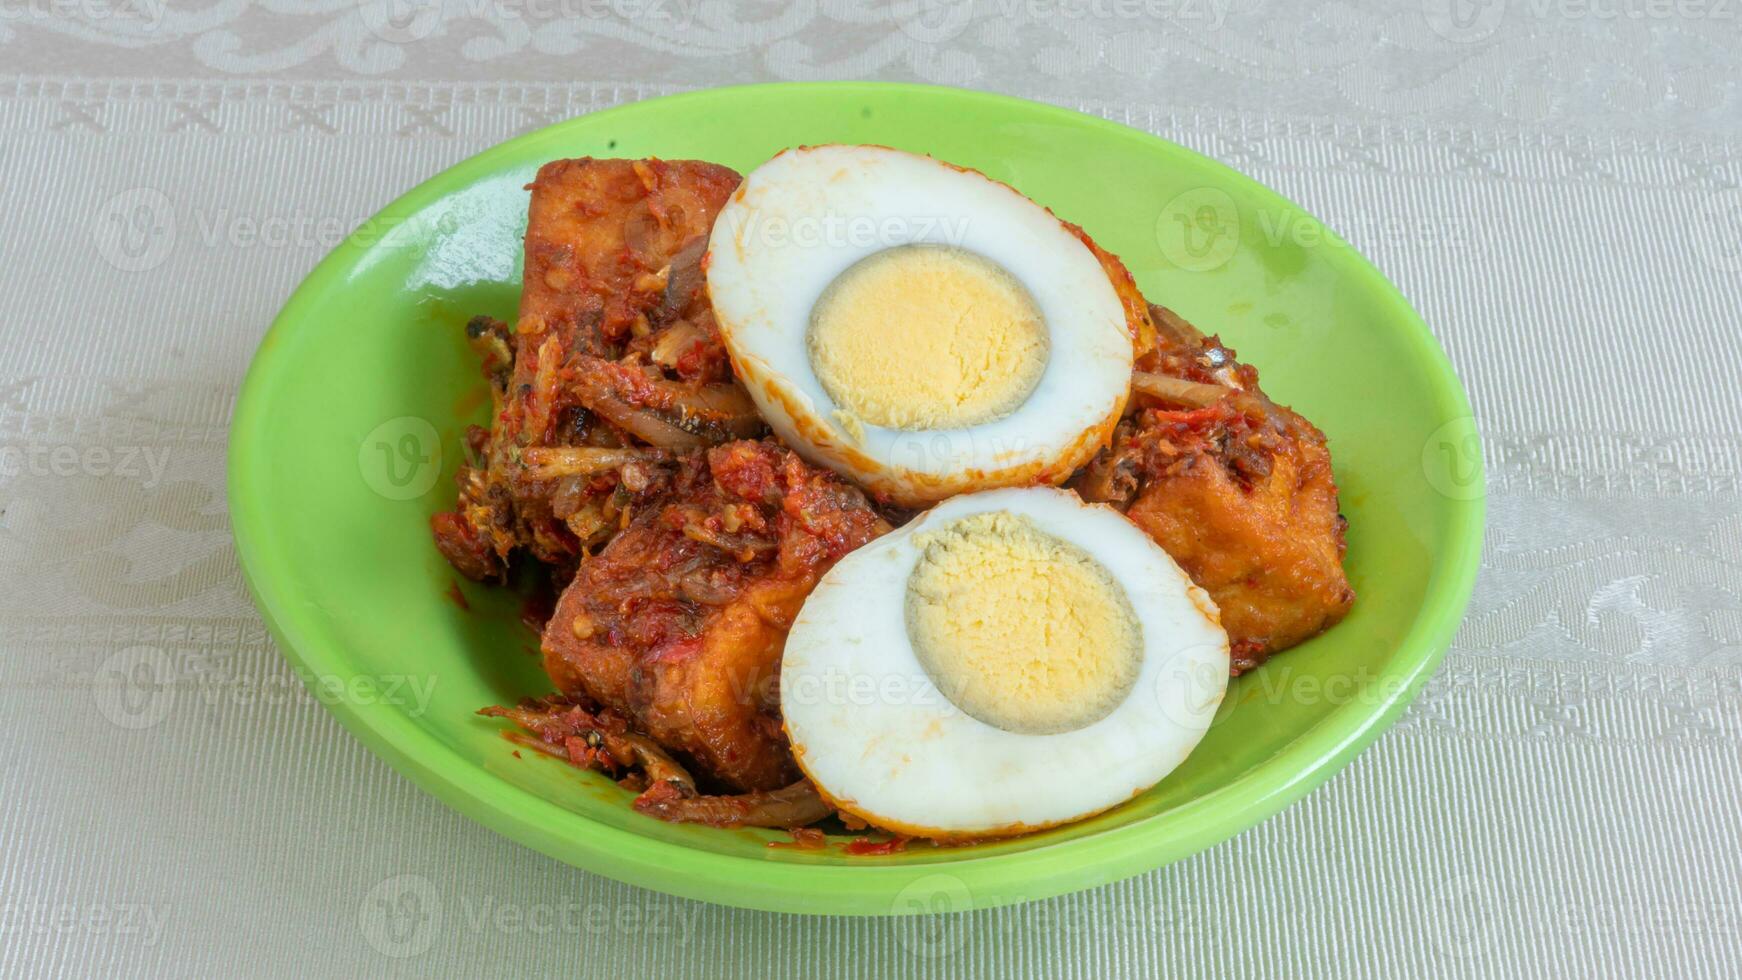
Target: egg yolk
point(1020, 629)
point(927, 337)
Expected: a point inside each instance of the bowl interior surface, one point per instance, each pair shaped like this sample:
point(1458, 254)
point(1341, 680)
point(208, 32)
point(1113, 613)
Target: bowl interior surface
point(348, 435)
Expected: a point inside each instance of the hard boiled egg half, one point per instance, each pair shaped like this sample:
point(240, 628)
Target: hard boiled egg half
point(1011, 660)
point(919, 327)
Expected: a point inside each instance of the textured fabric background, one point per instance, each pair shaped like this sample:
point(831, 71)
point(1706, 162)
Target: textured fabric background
point(1556, 184)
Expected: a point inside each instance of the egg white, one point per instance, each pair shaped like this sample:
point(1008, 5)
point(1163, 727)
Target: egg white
point(809, 214)
point(882, 742)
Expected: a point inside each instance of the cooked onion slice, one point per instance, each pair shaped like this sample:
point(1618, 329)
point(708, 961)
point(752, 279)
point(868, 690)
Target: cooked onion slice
point(1177, 391)
point(556, 462)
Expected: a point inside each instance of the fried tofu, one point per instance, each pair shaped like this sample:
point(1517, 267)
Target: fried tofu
point(1268, 550)
point(598, 234)
point(678, 624)
point(614, 347)
point(1235, 487)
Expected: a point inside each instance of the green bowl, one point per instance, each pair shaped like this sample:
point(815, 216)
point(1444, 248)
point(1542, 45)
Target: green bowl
point(347, 436)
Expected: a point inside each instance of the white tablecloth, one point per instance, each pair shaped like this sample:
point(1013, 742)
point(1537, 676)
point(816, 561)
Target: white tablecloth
point(1554, 184)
